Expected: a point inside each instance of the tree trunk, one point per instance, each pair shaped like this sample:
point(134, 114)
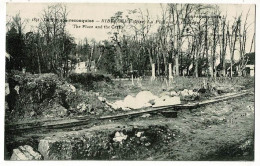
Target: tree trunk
point(224, 68)
point(177, 64)
point(165, 64)
point(196, 64)
point(231, 68)
point(39, 64)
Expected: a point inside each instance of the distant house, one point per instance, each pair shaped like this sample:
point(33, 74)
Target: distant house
point(80, 67)
point(203, 68)
point(234, 68)
point(249, 69)
point(84, 67)
point(221, 72)
point(250, 66)
point(91, 66)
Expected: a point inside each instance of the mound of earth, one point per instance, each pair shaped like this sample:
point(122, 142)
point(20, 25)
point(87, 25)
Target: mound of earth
point(34, 96)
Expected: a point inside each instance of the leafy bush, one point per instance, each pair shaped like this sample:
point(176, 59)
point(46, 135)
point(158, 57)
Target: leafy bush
point(88, 80)
point(48, 96)
point(28, 91)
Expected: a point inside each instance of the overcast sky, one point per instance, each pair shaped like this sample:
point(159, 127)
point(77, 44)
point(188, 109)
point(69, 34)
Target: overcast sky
point(97, 12)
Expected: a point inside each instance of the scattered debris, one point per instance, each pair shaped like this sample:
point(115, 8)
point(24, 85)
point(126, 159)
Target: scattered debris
point(144, 99)
point(173, 93)
point(145, 96)
point(164, 93)
point(119, 137)
point(138, 134)
point(130, 101)
point(7, 90)
point(141, 100)
point(147, 144)
point(17, 89)
point(55, 149)
point(188, 94)
point(246, 145)
point(54, 110)
point(25, 152)
point(6, 105)
point(117, 105)
point(102, 99)
point(72, 88)
point(143, 138)
point(81, 107)
point(146, 115)
point(167, 100)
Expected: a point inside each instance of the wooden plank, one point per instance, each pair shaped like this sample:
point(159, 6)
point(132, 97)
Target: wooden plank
point(221, 99)
point(78, 121)
point(179, 106)
point(140, 111)
point(62, 124)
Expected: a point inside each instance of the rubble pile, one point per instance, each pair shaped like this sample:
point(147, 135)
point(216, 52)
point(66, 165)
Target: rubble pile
point(167, 100)
point(119, 137)
point(37, 96)
point(112, 143)
point(146, 99)
point(141, 100)
point(25, 152)
point(188, 95)
point(55, 148)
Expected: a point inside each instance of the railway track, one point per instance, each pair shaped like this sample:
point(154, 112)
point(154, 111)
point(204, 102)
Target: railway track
point(85, 120)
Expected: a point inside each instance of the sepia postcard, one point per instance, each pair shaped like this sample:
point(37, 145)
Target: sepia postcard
point(130, 81)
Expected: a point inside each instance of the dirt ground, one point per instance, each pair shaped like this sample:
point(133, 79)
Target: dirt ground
point(222, 131)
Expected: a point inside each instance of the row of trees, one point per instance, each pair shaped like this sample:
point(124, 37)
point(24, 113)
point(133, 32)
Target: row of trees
point(190, 36)
point(46, 49)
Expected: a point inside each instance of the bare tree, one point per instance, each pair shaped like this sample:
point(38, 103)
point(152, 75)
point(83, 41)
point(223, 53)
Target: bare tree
point(180, 19)
point(52, 26)
point(232, 36)
point(242, 45)
point(163, 32)
point(215, 31)
point(223, 45)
